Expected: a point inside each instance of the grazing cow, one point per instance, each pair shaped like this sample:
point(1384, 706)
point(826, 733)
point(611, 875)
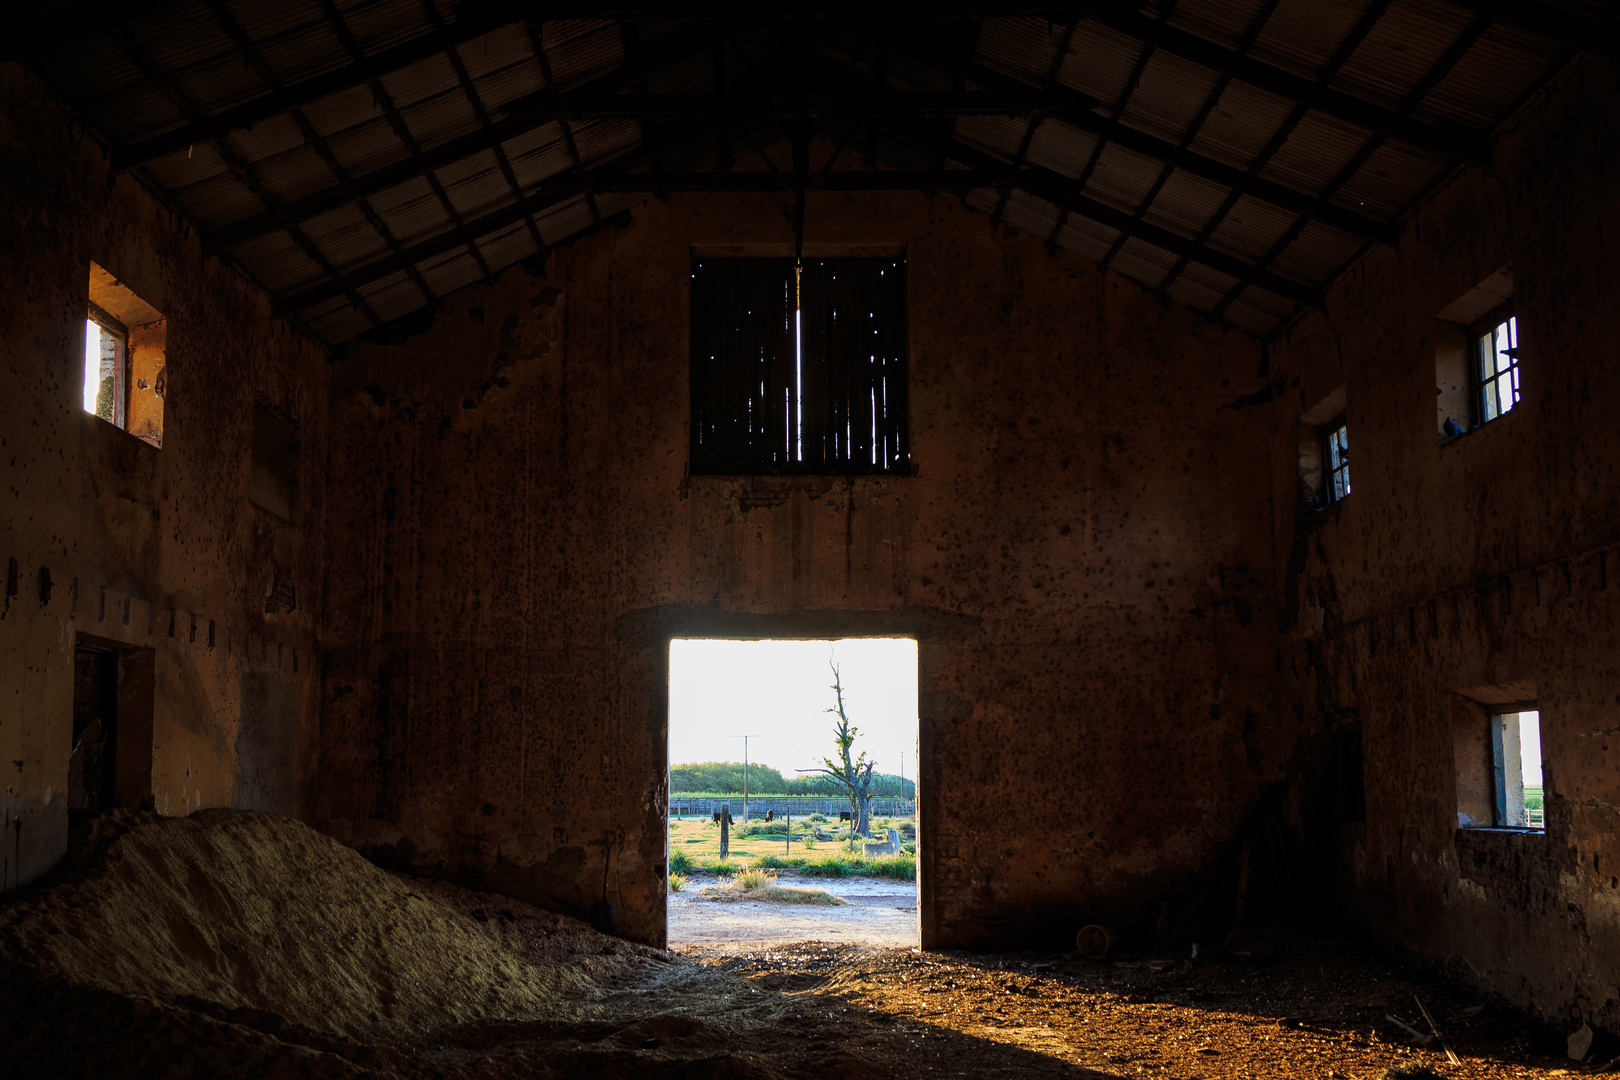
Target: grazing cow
point(770, 815)
point(844, 816)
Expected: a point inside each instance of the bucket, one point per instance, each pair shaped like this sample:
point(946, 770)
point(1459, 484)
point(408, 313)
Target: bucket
point(1094, 941)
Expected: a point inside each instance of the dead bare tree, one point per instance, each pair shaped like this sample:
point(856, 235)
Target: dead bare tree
point(854, 774)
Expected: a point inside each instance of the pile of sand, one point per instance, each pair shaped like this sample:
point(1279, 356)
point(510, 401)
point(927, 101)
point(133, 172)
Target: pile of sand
point(255, 911)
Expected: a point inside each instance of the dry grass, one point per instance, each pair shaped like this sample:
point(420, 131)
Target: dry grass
point(761, 885)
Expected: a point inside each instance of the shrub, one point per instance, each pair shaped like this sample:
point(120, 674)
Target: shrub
point(829, 866)
point(893, 866)
point(753, 880)
point(764, 828)
point(809, 843)
point(909, 849)
point(779, 862)
point(816, 817)
point(680, 863)
point(676, 883)
point(722, 867)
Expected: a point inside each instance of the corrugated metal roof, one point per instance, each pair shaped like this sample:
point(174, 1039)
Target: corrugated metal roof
point(101, 76)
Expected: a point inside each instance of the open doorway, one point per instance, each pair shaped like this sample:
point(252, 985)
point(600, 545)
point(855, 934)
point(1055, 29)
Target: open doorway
point(111, 759)
point(793, 798)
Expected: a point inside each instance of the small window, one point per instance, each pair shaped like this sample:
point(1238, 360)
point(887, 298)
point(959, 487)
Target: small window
point(1496, 364)
point(273, 479)
point(1338, 461)
point(125, 366)
point(1324, 452)
point(799, 369)
point(1498, 746)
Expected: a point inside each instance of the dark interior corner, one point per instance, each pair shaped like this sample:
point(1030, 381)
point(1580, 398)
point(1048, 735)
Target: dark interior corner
point(389, 383)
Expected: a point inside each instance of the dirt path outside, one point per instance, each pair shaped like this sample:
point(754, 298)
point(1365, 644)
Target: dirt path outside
point(880, 912)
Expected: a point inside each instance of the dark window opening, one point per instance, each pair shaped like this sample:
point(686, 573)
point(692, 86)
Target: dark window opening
point(1496, 365)
point(273, 481)
point(1338, 461)
point(111, 760)
point(799, 369)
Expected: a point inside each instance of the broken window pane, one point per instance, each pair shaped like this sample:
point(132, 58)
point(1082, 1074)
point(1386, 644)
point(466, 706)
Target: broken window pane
point(799, 369)
point(1339, 461)
point(1497, 354)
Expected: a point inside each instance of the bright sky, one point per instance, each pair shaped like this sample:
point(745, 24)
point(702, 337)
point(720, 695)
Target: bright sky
point(778, 690)
point(1530, 747)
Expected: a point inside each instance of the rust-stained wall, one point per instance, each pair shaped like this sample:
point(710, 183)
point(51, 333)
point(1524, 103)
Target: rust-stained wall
point(1486, 561)
point(142, 547)
point(1084, 554)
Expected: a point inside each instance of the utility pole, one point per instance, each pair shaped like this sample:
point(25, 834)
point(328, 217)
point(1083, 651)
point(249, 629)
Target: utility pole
point(745, 739)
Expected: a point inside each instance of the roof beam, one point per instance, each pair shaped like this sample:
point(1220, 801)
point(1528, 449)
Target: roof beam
point(1062, 192)
point(1450, 142)
point(67, 22)
point(1050, 186)
point(298, 94)
point(663, 51)
point(1018, 101)
point(1570, 31)
point(1240, 180)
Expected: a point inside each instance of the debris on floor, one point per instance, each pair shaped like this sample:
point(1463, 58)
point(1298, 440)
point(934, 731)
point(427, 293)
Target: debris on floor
point(239, 944)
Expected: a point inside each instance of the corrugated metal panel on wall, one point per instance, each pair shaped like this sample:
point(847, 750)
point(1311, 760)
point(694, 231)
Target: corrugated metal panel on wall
point(1100, 62)
point(605, 139)
point(455, 269)
point(538, 155)
point(393, 296)
point(1251, 228)
point(1143, 261)
point(1169, 97)
point(1317, 255)
point(1087, 237)
point(1302, 35)
point(1200, 286)
point(501, 249)
point(339, 323)
point(1224, 22)
point(1401, 49)
point(1316, 150)
point(1000, 135)
point(476, 186)
point(1061, 148)
point(277, 261)
point(382, 24)
point(1018, 46)
point(1186, 203)
point(368, 147)
point(346, 238)
point(1033, 215)
point(1240, 124)
point(1391, 178)
point(1490, 79)
point(564, 221)
point(1123, 178)
point(581, 49)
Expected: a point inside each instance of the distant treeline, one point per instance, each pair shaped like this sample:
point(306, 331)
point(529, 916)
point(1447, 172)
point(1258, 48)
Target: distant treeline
point(726, 777)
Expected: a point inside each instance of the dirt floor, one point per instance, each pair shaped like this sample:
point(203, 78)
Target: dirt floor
point(217, 945)
point(877, 911)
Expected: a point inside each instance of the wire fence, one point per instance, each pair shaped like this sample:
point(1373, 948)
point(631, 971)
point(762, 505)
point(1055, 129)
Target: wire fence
point(800, 805)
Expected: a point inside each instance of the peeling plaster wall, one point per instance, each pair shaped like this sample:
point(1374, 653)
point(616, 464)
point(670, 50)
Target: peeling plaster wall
point(1488, 560)
point(143, 547)
point(1084, 554)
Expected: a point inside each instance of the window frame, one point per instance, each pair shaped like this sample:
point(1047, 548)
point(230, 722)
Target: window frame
point(819, 378)
point(1478, 334)
point(1331, 449)
point(122, 372)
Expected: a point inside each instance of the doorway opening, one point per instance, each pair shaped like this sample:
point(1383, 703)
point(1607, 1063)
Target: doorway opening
point(111, 759)
point(792, 792)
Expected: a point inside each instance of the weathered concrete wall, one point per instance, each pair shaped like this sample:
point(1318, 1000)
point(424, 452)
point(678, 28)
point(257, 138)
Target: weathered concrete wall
point(1084, 554)
point(1488, 560)
point(142, 547)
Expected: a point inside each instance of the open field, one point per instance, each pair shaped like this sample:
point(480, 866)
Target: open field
point(694, 847)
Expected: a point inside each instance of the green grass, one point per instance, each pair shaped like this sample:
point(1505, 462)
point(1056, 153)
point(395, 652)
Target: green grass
point(676, 883)
point(680, 862)
point(1535, 798)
